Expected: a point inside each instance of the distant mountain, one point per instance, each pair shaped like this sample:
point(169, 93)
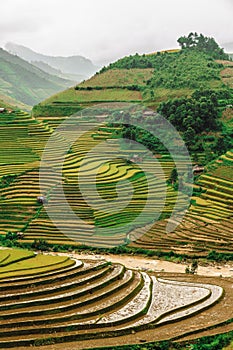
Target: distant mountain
point(10, 103)
point(25, 83)
point(76, 68)
point(48, 69)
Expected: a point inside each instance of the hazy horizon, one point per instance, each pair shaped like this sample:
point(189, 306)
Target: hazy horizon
point(106, 30)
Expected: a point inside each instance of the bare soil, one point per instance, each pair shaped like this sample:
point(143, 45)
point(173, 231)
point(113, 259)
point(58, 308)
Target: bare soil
point(221, 312)
point(150, 264)
point(213, 273)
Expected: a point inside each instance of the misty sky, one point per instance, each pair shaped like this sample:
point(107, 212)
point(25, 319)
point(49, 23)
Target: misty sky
point(104, 30)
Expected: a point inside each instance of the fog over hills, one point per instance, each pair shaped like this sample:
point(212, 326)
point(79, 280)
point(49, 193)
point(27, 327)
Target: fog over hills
point(76, 68)
point(228, 47)
point(25, 83)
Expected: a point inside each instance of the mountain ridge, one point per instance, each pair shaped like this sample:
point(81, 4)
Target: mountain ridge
point(26, 83)
point(77, 67)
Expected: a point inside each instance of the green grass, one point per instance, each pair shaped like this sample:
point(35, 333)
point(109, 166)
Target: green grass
point(170, 75)
point(72, 96)
point(119, 77)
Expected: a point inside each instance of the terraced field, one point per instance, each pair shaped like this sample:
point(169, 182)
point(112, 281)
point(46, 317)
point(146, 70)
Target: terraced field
point(108, 178)
point(111, 86)
point(99, 191)
point(19, 163)
point(79, 97)
point(20, 185)
point(207, 224)
point(57, 300)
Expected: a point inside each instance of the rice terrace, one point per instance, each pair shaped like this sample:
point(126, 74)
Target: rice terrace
point(139, 255)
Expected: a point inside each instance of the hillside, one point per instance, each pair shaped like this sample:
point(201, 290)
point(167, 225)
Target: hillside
point(12, 104)
point(151, 79)
point(193, 90)
point(26, 83)
point(114, 182)
point(207, 225)
point(190, 89)
point(76, 68)
point(50, 70)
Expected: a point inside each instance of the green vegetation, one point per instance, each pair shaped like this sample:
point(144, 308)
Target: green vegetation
point(25, 83)
point(11, 240)
point(189, 69)
point(214, 256)
point(187, 87)
point(217, 342)
point(22, 262)
point(6, 180)
point(200, 114)
point(55, 110)
point(75, 68)
point(203, 44)
point(118, 78)
point(14, 256)
point(186, 68)
point(193, 44)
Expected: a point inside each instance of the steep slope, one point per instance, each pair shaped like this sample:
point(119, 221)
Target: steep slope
point(150, 78)
point(207, 116)
point(76, 68)
point(207, 225)
point(11, 103)
point(24, 82)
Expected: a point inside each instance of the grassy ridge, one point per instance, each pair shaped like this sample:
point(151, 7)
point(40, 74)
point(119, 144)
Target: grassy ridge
point(157, 77)
point(118, 77)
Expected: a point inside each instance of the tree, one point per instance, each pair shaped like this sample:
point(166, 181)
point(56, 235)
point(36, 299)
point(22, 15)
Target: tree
point(223, 144)
point(202, 43)
point(189, 136)
point(173, 176)
point(188, 122)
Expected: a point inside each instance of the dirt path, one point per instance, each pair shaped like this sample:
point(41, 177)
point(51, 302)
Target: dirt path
point(147, 264)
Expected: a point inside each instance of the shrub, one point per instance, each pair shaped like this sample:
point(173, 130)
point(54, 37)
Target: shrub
point(40, 244)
